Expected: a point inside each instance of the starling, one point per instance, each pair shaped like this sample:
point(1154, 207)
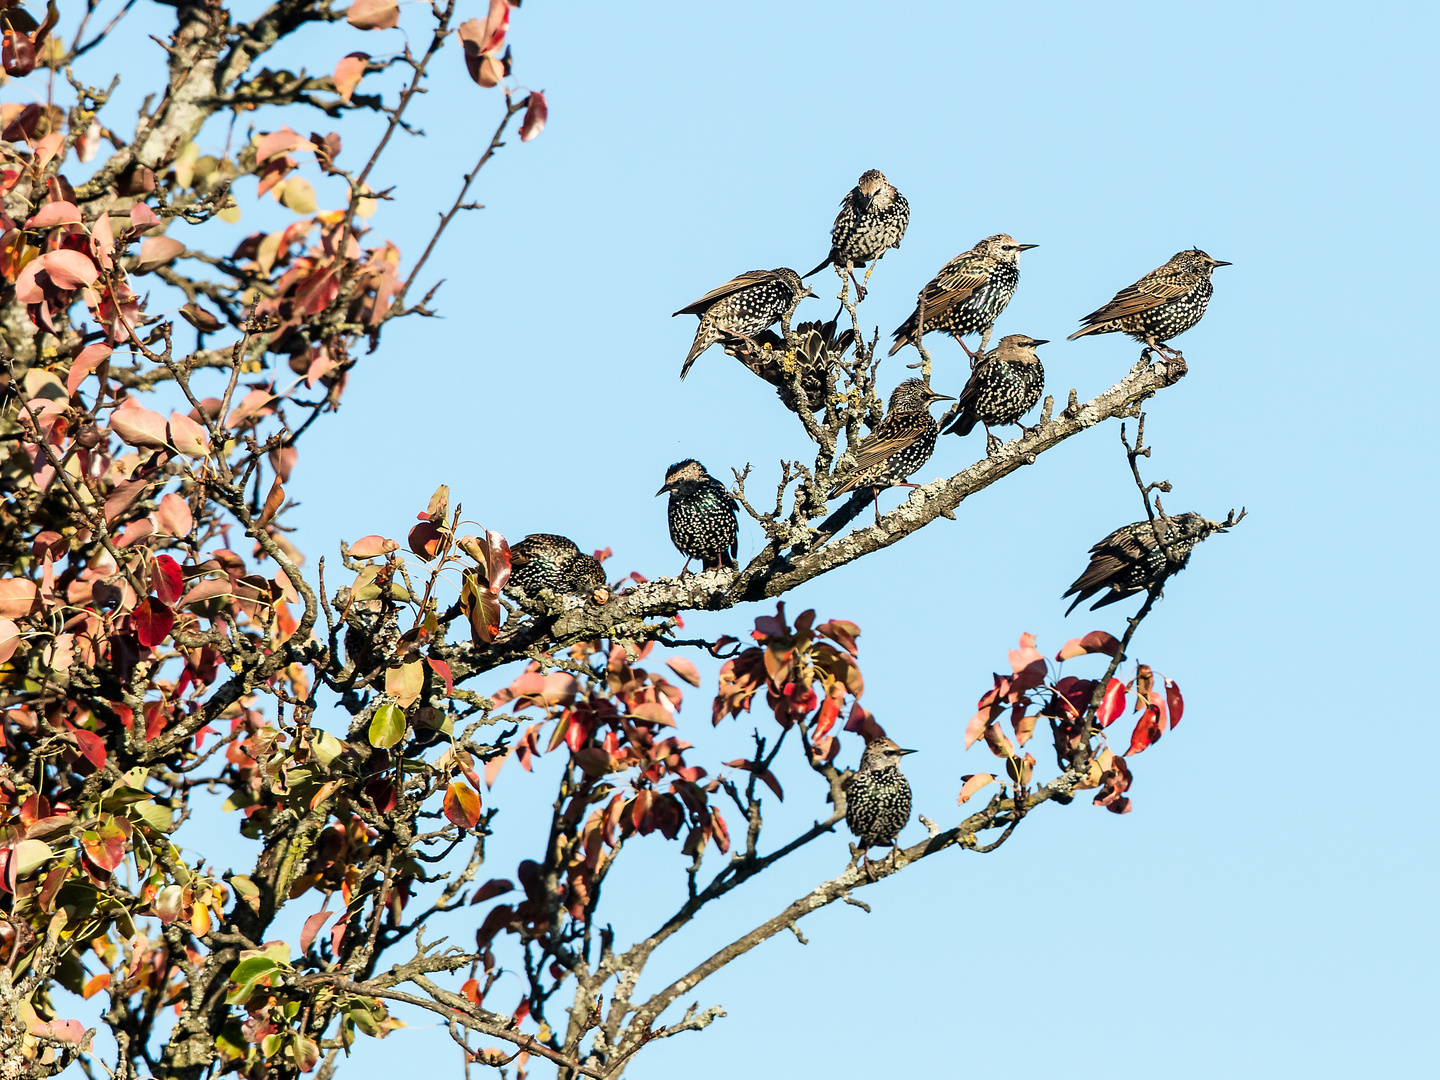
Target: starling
point(702, 515)
point(1161, 305)
point(900, 445)
point(872, 219)
point(877, 801)
point(548, 561)
point(744, 306)
point(968, 294)
point(1130, 561)
point(819, 348)
point(1004, 386)
point(584, 576)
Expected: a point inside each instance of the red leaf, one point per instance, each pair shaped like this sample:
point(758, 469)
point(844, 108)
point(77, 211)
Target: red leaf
point(55, 213)
point(69, 269)
point(441, 668)
point(90, 358)
point(18, 597)
point(491, 889)
point(426, 540)
point(979, 722)
point(373, 14)
point(1147, 731)
point(153, 622)
point(462, 804)
point(92, 747)
point(536, 112)
point(105, 844)
point(685, 669)
point(653, 713)
point(156, 251)
point(1112, 705)
point(973, 783)
point(166, 579)
point(348, 72)
point(140, 427)
point(1097, 641)
point(311, 928)
point(367, 547)
point(1175, 702)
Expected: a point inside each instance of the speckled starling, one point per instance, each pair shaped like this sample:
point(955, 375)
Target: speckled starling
point(549, 561)
point(702, 515)
point(968, 294)
point(900, 445)
point(584, 576)
point(872, 219)
point(819, 347)
point(744, 306)
point(877, 800)
point(1004, 386)
point(1130, 561)
point(1161, 305)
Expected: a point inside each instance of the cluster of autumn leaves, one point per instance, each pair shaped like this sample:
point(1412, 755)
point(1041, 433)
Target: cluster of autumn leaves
point(1030, 692)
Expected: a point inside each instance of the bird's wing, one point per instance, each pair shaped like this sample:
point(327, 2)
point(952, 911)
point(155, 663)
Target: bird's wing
point(1151, 291)
point(955, 283)
point(894, 434)
point(734, 285)
point(964, 421)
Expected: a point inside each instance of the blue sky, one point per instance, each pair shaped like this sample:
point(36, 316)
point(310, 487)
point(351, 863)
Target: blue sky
point(1267, 909)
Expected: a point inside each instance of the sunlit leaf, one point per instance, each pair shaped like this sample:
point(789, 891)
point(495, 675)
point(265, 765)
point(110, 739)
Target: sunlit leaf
point(462, 804)
point(536, 113)
point(348, 73)
point(387, 726)
point(373, 14)
point(971, 784)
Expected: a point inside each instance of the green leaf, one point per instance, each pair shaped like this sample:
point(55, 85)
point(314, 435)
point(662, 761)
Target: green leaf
point(326, 748)
point(158, 817)
point(387, 727)
point(247, 974)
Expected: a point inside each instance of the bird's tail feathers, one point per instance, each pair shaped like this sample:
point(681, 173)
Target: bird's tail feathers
point(704, 338)
point(1092, 329)
point(828, 260)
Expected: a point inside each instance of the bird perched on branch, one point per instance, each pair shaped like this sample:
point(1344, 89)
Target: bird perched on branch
point(1161, 305)
point(549, 561)
point(968, 294)
point(872, 219)
point(818, 349)
point(877, 799)
point(897, 448)
point(1130, 560)
point(744, 306)
point(702, 516)
point(1003, 386)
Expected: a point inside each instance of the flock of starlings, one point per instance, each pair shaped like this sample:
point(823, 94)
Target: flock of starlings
point(1006, 382)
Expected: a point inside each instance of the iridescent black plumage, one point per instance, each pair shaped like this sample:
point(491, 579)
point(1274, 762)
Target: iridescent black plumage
point(1129, 560)
point(969, 292)
point(1004, 385)
point(872, 219)
point(877, 799)
point(549, 561)
point(742, 307)
point(702, 515)
point(1161, 305)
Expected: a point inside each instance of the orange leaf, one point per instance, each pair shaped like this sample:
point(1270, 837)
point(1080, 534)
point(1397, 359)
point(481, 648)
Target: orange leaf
point(462, 804)
point(373, 14)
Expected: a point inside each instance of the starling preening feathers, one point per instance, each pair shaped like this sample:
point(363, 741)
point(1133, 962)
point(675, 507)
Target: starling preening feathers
point(968, 294)
point(1161, 305)
point(877, 800)
point(819, 347)
point(872, 219)
point(744, 306)
point(702, 515)
point(1130, 560)
point(1004, 385)
point(549, 561)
